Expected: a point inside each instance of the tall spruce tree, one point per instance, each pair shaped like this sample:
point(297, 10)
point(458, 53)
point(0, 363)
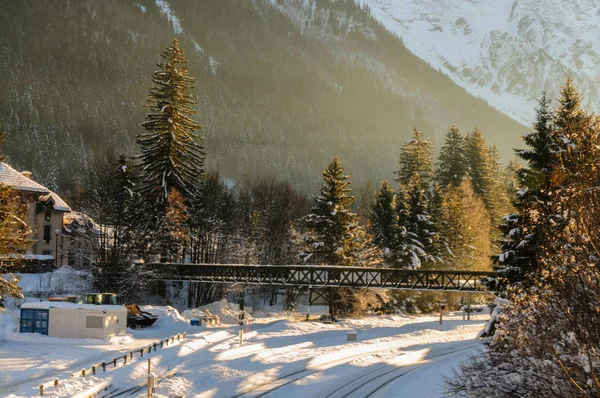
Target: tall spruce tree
point(524, 231)
point(452, 163)
point(172, 156)
point(332, 220)
point(384, 220)
point(172, 159)
point(415, 177)
point(415, 158)
point(477, 154)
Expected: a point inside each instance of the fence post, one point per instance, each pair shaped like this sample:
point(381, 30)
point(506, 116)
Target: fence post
point(41, 389)
point(94, 370)
point(55, 382)
point(130, 354)
point(115, 362)
point(104, 366)
point(83, 373)
point(125, 359)
point(142, 353)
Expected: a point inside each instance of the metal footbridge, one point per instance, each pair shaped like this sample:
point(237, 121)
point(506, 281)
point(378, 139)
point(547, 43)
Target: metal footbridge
point(325, 276)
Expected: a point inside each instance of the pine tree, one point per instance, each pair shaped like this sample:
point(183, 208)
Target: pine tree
point(336, 238)
point(332, 220)
point(384, 219)
point(452, 162)
point(171, 155)
point(414, 175)
point(477, 154)
point(172, 159)
point(415, 158)
point(524, 231)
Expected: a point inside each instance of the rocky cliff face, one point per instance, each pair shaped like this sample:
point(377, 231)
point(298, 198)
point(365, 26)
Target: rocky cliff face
point(506, 51)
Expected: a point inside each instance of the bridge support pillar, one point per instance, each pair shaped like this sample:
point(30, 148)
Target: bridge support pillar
point(309, 303)
point(468, 306)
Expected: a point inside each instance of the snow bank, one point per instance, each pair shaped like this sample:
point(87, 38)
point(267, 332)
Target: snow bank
point(490, 326)
point(63, 280)
point(226, 313)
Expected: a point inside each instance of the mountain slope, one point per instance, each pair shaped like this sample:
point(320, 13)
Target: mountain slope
point(505, 51)
point(283, 86)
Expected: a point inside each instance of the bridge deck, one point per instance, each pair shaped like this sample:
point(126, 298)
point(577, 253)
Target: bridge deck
point(325, 276)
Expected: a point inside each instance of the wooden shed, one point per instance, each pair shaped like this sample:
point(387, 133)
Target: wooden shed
point(60, 319)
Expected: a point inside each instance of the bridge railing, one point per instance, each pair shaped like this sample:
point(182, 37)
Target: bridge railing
point(325, 276)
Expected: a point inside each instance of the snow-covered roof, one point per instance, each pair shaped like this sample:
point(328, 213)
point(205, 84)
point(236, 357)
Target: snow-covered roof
point(16, 180)
point(44, 305)
point(59, 204)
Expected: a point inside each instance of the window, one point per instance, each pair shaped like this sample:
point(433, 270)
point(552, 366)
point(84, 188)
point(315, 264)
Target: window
point(47, 233)
point(94, 322)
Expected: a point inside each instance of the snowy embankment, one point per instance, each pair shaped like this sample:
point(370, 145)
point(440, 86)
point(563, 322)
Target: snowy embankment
point(296, 359)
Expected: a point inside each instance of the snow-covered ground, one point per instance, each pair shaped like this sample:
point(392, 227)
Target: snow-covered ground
point(393, 356)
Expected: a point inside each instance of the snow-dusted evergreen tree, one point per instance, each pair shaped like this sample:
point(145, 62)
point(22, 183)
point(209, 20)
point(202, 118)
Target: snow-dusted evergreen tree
point(335, 237)
point(452, 163)
point(476, 153)
point(547, 341)
point(388, 211)
point(384, 221)
point(524, 230)
point(332, 220)
point(414, 176)
point(415, 158)
point(419, 223)
point(172, 159)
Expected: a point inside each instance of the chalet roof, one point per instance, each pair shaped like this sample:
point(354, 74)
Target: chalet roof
point(16, 180)
point(58, 203)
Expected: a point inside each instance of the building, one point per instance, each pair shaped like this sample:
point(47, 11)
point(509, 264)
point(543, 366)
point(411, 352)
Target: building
point(45, 212)
point(78, 321)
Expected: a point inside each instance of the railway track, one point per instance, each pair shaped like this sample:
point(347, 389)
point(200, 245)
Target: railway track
point(265, 389)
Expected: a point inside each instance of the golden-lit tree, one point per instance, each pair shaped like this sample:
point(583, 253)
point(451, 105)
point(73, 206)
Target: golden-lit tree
point(14, 238)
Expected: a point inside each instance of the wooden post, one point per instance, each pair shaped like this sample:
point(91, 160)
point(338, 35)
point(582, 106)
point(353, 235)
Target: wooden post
point(94, 370)
point(130, 354)
point(82, 372)
point(115, 362)
point(149, 392)
point(55, 382)
point(104, 366)
point(142, 352)
point(154, 347)
point(124, 359)
point(41, 389)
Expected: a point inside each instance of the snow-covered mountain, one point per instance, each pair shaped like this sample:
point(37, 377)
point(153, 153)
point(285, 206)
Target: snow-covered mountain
point(505, 51)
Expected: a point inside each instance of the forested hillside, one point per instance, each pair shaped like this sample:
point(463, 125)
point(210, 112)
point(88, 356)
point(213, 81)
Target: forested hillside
point(283, 86)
